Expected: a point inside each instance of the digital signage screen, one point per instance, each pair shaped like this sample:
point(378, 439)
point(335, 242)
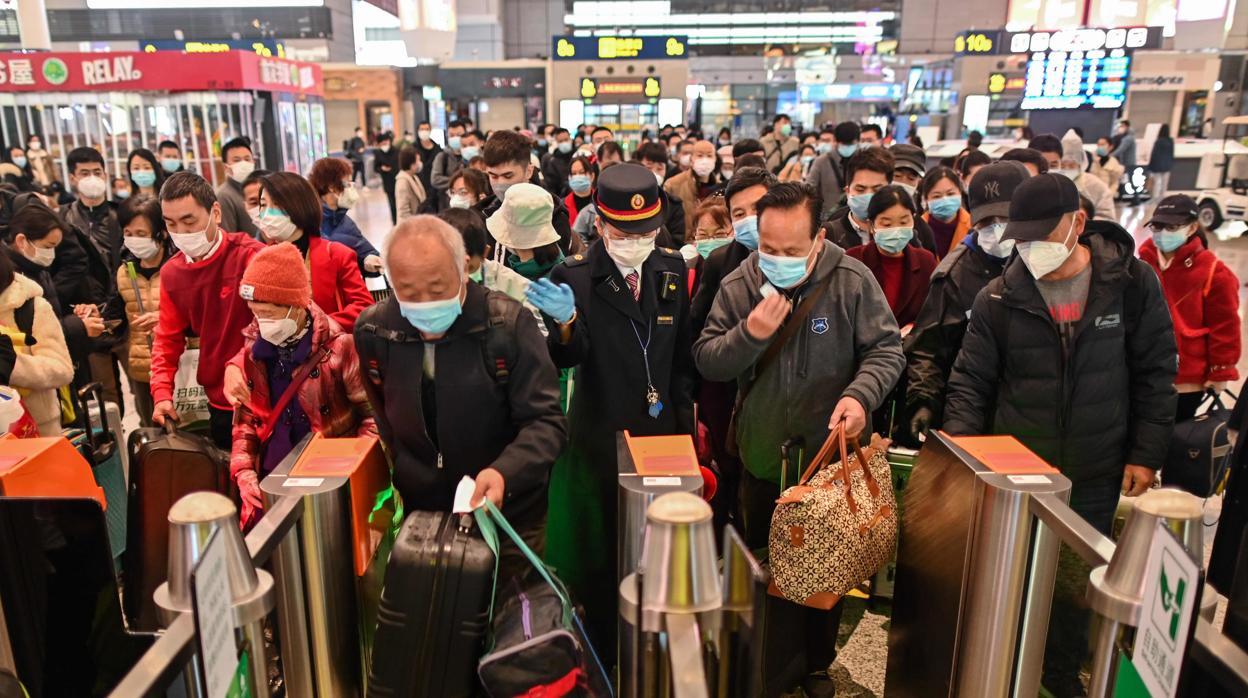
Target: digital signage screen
point(1074, 79)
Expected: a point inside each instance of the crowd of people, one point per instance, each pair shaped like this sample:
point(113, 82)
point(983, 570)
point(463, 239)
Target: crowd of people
point(553, 288)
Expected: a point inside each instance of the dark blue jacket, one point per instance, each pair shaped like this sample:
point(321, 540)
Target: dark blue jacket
point(337, 226)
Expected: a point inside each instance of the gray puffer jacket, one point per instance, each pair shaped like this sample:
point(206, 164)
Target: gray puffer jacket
point(849, 346)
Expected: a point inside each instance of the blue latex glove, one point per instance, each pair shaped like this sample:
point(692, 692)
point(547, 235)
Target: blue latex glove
point(556, 300)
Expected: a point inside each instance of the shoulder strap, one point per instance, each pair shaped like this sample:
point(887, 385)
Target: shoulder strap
point(500, 345)
point(266, 430)
point(790, 329)
point(1213, 269)
point(24, 318)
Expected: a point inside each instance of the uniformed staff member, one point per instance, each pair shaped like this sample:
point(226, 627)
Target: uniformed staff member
point(620, 313)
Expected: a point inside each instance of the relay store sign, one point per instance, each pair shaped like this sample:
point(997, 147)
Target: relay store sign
point(158, 71)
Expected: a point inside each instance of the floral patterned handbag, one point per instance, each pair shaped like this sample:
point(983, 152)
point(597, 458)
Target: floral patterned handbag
point(837, 526)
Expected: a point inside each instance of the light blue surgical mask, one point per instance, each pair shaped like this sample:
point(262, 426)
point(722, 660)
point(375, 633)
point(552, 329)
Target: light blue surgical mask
point(1102, 150)
point(823, 147)
point(565, 147)
point(785, 130)
point(709, 245)
point(453, 142)
point(579, 184)
point(478, 275)
point(432, 317)
point(858, 204)
point(846, 150)
point(143, 178)
point(945, 208)
point(807, 159)
point(20, 161)
point(746, 231)
point(1170, 240)
point(469, 152)
point(783, 272)
point(893, 240)
point(541, 143)
point(170, 165)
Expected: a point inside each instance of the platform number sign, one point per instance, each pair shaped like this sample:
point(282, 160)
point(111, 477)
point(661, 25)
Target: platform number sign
point(1169, 604)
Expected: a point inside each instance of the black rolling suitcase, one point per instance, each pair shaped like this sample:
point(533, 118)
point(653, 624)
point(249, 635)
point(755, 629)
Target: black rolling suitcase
point(434, 610)
point(165, 464)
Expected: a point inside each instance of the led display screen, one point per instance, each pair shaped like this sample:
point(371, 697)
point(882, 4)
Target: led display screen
point(1069, 80)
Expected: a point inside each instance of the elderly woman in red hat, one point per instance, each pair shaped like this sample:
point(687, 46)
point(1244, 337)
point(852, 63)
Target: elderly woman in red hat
point(303, 372)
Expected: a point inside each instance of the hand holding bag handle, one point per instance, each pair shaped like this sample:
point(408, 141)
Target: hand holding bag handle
point(837, 439)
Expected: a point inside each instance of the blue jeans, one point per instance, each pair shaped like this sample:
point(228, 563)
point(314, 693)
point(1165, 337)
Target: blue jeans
point(1067, 645)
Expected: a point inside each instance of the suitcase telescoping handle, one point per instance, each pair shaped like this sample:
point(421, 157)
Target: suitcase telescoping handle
point(793, 442)
point(99, 447)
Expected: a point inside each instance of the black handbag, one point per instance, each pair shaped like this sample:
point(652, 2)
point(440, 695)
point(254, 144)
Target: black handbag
point(1200, 450)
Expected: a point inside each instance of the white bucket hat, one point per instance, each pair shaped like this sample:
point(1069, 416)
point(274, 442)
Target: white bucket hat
point(523, 221)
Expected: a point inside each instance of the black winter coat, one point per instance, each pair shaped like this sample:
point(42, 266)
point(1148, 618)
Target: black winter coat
point(1108, 403)
point(842, 233)
point(555, 166)
point(933, 343)
point(516, 427)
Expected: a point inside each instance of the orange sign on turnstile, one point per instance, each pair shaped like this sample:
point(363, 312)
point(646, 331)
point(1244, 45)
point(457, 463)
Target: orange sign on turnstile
point(362, 461)
point(49, 467)
point(663, 455)
point(1003, 455)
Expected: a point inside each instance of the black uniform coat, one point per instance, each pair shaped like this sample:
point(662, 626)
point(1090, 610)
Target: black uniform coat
point(609, 395)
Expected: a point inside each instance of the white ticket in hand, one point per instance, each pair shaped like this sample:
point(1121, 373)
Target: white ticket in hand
point(463, 496)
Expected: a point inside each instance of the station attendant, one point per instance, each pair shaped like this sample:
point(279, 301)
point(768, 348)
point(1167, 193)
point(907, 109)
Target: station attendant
point(1203, 295)
point(620, 313)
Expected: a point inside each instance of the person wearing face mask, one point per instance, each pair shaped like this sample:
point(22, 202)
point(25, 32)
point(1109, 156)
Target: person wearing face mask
point(724, 138)
point(557, 163)
point(620, 314)
point(170, 157)
point(830, 369)
point(779, 144)
point(91, 211)
point(239, 164)
point(386, 166)
point(138, 291)
point(941, 193)
point(902, 270)
point(34, 358)
point(331, 178)
point(827, 173)
point(683, 159)
point(355, 148)
point(582, 176)
point(481, 266)
point(251, 194)
point(653, 157)
point(978, 258)
point(409, 192)
point(524, 239)
point(428, 150)
point(1105, 166)
point(449, 161)
point(469, 189)
point(696, 184)
point(508, 164)
point(909, 168)
point(31, 241)
point(1203, 295)
point(144, 173)
point(443, 353)
point(799, 166)
point(1071, 351)
point(304, 371)
point(867, 172)
point(727, 163)
point(40, 161)
point(192, 303)
point(17, 171)
point(1067, 158)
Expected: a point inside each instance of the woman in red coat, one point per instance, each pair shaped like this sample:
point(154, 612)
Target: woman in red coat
point(903, 269)
point(290, 211)
point(1203, 295)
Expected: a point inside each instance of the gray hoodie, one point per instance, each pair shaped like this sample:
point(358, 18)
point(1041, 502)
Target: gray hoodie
point(849, 347)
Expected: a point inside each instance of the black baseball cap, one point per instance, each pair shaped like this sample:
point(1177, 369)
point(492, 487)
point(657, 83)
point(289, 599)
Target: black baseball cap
point(1038, 205)
point(992, 189)
point(628, 198)
point(911, 157)
point(1176, 209)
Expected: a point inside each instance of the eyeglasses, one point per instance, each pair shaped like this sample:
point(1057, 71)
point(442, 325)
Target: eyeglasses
point(717, 234)
point(1163, 228)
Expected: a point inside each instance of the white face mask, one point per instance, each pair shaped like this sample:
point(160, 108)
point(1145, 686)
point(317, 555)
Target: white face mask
point(194, 245)
point(458, 201)
point(349, 197)
point(1043, 257)
point(385, 148)
point(276, 332)
point(658, 177)
point(990, 241)
point(276, 225)
point(685, 160)
point(423, 134)
point(241, 170)
point(631, 252)
point(703, 166)
point(143, 248)
point(254, 214)
point(43, 256)
point(92, 187)
point(726, 172)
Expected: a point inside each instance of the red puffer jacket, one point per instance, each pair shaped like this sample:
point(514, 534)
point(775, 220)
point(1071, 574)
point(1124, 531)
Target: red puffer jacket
point(332, 397)
point(1203, 295)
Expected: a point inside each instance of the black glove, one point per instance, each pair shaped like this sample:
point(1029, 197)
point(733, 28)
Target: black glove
point(8, 357)
point(919, 422)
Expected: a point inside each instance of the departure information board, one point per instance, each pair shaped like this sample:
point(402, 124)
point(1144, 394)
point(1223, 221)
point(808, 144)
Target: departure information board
point(1074, 79)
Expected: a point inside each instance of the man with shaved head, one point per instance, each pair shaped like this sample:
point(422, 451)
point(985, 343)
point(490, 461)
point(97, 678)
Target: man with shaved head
point(461, 383)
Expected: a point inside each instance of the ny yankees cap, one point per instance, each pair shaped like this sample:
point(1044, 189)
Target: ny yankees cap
point(991, 189)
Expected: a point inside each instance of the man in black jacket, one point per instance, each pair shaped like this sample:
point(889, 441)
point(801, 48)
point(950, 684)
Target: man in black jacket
point(431, 358)
point(1071, 350)
point(556, 163)
point(933, 344)
point(386, 165)
point(507, 162)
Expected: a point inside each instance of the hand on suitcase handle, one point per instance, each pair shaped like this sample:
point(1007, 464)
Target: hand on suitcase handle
point(164, 410)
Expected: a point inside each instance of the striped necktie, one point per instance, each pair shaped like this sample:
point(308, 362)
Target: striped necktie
point(634, 284)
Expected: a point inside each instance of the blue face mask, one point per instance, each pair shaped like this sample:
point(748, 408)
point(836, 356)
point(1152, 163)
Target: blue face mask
point(847, 150)
point(893, 240)
point(1168, 241)
point(469, 152)
point(143, 178)
point(1102, 150)
point(579, 184)
point(823, 147)
point(453, 142)
point(541, 143)
point(783, 272)
point(171, 165)
point(945, 208)
point(565, 147)
point(706, 247)
point(858, 204)
point(786, 130)
point(746, 231)
point(432, 317)
point(807, 159)
point(20, 161)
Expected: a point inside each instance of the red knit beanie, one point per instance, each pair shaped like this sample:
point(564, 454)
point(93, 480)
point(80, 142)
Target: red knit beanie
point(277, 275)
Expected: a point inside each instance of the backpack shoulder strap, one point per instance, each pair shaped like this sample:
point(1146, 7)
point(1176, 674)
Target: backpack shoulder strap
point(24, 318)
point(500, 343)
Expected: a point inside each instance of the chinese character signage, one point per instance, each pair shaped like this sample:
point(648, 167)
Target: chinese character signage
point(609, 48)
point(1172, 580)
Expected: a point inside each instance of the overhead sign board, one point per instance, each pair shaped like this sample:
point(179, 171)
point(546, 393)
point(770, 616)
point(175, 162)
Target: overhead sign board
point(972, 43)
point(638, 90)
point(858, 92)
point(1084, 39)
point(610, 48)
point(1061, 80)
point(261, 47)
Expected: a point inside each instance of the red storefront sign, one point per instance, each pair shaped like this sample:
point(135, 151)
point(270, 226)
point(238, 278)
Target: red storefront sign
point(162, 71)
